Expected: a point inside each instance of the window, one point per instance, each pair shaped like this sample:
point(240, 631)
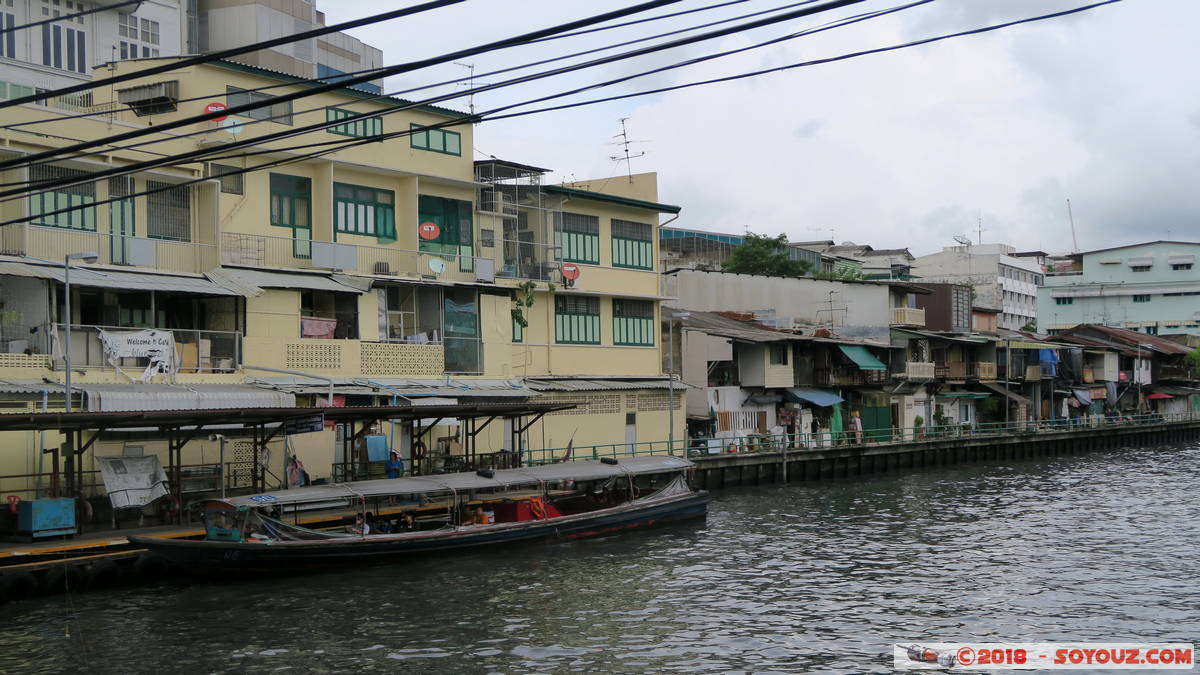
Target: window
point(1064, 301)
point(633, 322)
point(1180, 267)
point(329, 74)
point(487, 238)
point(79, 198)
point(122, 218)
point(436, 140)
point(577, 320)
point(328, 315)
point(577, 237)
point(1037, 279)
point(1141, 298)
point(232, 182)
point(140, 37)
point(278, 112)
point(455, 228)
point(8, 41)
point(632, 244)
point(518, 331)
point(364, 210)
point(168, 211)
point(1139, 268)
point(460, 318)
point(362, 127)
point(779, 354)
point(291, 206)
point(64, 48)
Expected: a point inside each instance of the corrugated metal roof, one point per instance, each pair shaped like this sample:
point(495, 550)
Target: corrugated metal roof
point(598, 384)
point(743, 331)
point(407, 387)
point(136, 396)
point(29, 387)
point(129, 281)
point(251, 282)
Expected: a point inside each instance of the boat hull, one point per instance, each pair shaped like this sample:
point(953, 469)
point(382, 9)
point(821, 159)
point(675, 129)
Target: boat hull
point(214, 557)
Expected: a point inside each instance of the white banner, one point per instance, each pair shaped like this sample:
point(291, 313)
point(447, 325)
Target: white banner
point(132, 481)
point(156, 345)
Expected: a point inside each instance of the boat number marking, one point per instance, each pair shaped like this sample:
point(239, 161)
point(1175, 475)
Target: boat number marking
point(232, 555)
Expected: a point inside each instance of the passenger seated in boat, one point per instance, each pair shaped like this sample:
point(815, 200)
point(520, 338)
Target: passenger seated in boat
point(360, 525)
point(479, 517)
point(407, 523)
point(378, 525)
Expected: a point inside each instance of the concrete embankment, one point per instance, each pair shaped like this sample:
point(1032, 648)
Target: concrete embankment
point(846, 461)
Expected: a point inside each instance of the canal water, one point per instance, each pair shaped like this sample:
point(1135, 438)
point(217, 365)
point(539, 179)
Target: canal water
point(814, 577)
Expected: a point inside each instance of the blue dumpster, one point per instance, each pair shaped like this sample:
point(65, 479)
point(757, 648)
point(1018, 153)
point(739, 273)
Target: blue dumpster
point(46, 517)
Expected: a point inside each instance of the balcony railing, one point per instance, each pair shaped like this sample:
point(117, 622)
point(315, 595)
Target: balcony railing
point(832, 377)
point(983, 370)
point(918, 370)
point(196, 351)
point(255, 250)
point(908, 316)
point(50, 243)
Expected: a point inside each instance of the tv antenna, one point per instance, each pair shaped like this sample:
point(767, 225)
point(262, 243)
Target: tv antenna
point(1071, 216)
point(979, 227)
point(470, 84)
point(625, 142)
point(823, 229)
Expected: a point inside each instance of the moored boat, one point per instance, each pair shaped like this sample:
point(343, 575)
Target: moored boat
point(281, 531)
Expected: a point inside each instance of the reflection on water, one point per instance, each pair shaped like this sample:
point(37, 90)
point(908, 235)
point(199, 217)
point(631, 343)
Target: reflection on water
point(803, 578)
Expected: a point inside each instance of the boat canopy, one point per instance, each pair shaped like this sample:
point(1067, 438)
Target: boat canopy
point(583, 470)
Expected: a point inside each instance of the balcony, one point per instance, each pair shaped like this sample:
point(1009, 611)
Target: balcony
point(983, 370)
point(50, 243)
point(1033, 373)
point(832, 377)
point(196, 351)
point(918, 370)
point(360, 358)
point(253, 250)
point(908, 316)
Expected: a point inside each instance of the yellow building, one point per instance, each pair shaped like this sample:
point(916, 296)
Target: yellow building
point(388, 268)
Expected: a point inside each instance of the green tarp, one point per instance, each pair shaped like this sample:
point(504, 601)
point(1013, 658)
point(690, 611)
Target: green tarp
point(863, 358)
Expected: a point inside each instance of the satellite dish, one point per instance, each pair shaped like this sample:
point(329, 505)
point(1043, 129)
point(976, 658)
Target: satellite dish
point(962, 239)
point(437, 265)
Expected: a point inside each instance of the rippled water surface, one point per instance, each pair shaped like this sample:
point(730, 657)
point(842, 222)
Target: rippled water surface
point(813, 577)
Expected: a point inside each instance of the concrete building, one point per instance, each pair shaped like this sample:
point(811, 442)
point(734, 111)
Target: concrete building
point(999, 279)
point(1153, 287)
point(383, 269)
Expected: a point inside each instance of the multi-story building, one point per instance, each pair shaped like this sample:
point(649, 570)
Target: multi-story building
point(384, 269)
point(998, 279)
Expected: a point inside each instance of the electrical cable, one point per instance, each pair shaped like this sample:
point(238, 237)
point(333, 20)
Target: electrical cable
point(68, 17)
point(26, 161)
point(851, 55)
point(225, 53)
point(194, 154)
point(390, 70)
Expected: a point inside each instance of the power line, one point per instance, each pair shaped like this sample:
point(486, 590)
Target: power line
point(391, 70)
point(195, 154)
point(68, 17)
point(486, 117)
point(225, 53)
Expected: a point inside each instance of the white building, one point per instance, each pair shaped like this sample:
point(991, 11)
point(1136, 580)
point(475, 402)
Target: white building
point(1000, 280)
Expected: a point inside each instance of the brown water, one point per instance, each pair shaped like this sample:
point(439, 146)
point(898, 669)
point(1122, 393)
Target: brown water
point(802, 578)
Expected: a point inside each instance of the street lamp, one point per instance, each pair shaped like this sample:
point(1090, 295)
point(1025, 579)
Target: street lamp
point(88, 257)
point(671, 374)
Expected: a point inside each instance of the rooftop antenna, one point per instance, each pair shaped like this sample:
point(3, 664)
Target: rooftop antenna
point(979, 227)
point(624, 136)
point(470, 84)
point(824, 229)
point(1071, 216)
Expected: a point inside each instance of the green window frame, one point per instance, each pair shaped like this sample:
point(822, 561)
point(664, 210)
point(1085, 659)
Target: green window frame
point(633, 322)
point(122, 217)
point(577, 237)
point(576, 320)
point(361, 127)
point(435, 140)
point(365, 211)
point(276, 112)
point(632, 244)
point(291, 207)
point(80, 198)
point(518, 331)
point(1141, 298)
point(455, 219)
point(1064, 301)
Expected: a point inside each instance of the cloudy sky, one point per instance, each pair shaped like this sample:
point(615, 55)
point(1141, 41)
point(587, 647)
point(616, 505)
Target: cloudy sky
point(905, 148)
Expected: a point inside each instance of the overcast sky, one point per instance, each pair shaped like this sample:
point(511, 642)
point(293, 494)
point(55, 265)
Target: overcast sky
point(905, 148)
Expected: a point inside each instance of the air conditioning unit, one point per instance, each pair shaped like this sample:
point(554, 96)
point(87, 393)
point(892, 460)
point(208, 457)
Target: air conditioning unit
point(382, 267)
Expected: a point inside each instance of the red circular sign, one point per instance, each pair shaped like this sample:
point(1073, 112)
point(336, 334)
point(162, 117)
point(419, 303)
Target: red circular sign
point(570, 271)
point(429, 231)
point(216, 107)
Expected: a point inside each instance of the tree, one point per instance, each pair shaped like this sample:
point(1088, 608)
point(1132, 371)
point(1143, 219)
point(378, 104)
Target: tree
point(764, 256)
point(1193, 358)
point(1030, 326)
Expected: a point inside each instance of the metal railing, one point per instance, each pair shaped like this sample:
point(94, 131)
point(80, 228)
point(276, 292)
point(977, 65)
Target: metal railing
point(847, 376)
point(196, 351)
point(828, 439)
point(48, 243)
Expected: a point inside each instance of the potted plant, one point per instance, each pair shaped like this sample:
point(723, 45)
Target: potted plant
point(918, 422)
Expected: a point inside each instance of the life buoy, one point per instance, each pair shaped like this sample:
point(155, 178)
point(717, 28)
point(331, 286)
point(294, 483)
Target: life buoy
point(62, 578)
point(537, 508)
point(86, 512)
point(13, 500)
point(418, 450)
point(151, 566)
point(169, 505)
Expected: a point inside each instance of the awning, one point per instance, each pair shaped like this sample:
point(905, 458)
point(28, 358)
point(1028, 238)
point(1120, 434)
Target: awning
point(762, 399)
point(999, 389)
point(252, 282)
point(125, 397)
point(1156, 397)
point(820, 397)
point(126, 281)
point(1083, 396)
point(963, 394)
point(863, 358)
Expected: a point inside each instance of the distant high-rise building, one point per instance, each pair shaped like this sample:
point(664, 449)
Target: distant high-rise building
point(999, 279)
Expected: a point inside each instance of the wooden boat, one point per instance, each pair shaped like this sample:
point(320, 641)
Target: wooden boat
point(557, 501)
